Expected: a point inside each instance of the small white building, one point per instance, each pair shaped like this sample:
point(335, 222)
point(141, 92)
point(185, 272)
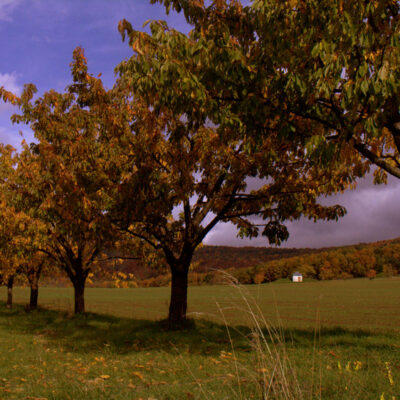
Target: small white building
point(297, 277)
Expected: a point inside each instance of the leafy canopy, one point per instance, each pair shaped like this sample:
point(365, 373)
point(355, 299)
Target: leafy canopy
point(334, 63)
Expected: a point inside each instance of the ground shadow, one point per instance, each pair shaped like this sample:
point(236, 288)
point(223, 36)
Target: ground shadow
point(93, 332)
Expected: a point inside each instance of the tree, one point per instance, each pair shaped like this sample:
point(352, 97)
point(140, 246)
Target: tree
point(209, 132)
point(179, 178)
point(331, 62)
point(58, 180)
point(10, 254)
point(21, 236)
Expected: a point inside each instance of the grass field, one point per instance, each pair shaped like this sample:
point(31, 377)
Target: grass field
point(335, 340)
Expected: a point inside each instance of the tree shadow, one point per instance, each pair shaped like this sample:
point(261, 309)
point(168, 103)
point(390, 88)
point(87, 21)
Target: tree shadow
point(92, 332)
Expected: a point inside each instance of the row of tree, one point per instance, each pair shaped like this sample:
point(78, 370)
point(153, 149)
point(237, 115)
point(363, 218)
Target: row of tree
point(301, 94)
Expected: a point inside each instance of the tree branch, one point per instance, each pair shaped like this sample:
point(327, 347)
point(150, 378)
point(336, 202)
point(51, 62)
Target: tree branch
point(379, 161)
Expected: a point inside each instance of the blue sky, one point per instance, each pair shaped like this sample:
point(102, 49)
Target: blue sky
point(37, 38)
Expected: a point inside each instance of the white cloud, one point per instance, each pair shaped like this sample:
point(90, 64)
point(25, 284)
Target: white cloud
point(6, 9)
point(9, 81)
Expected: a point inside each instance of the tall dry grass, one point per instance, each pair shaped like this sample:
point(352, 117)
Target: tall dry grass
point(272, 375)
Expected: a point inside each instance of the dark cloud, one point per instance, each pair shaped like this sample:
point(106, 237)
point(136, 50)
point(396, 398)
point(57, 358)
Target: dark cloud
point(372, 214)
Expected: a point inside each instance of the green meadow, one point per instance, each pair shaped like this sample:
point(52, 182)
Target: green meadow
point(315, 340)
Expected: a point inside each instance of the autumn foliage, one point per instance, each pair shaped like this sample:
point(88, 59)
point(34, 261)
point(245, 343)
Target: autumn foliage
point(255, 265)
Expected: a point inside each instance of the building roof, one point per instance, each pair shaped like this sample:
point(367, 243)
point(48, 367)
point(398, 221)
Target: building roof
point(297, 274)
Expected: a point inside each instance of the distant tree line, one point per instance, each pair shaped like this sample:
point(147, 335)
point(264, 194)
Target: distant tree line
point(364, 260)
point(341, 263)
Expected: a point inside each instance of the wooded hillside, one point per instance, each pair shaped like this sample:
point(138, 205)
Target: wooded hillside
point(263, 264)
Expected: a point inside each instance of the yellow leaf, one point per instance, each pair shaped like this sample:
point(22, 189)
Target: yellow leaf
point(105, 376)
point(262, 370)
point(138, 374)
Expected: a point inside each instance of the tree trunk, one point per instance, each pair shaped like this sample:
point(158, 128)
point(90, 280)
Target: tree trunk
point(77, 274)
point(79, 292)
point(33, 278)
point(33, 301)
point(178, 304)
point(10, 283)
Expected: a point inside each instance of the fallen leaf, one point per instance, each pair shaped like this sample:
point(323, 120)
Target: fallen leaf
point(138, 374)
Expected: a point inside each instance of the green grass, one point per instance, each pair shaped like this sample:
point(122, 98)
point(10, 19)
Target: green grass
point(340, 337)
point(353, 303)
